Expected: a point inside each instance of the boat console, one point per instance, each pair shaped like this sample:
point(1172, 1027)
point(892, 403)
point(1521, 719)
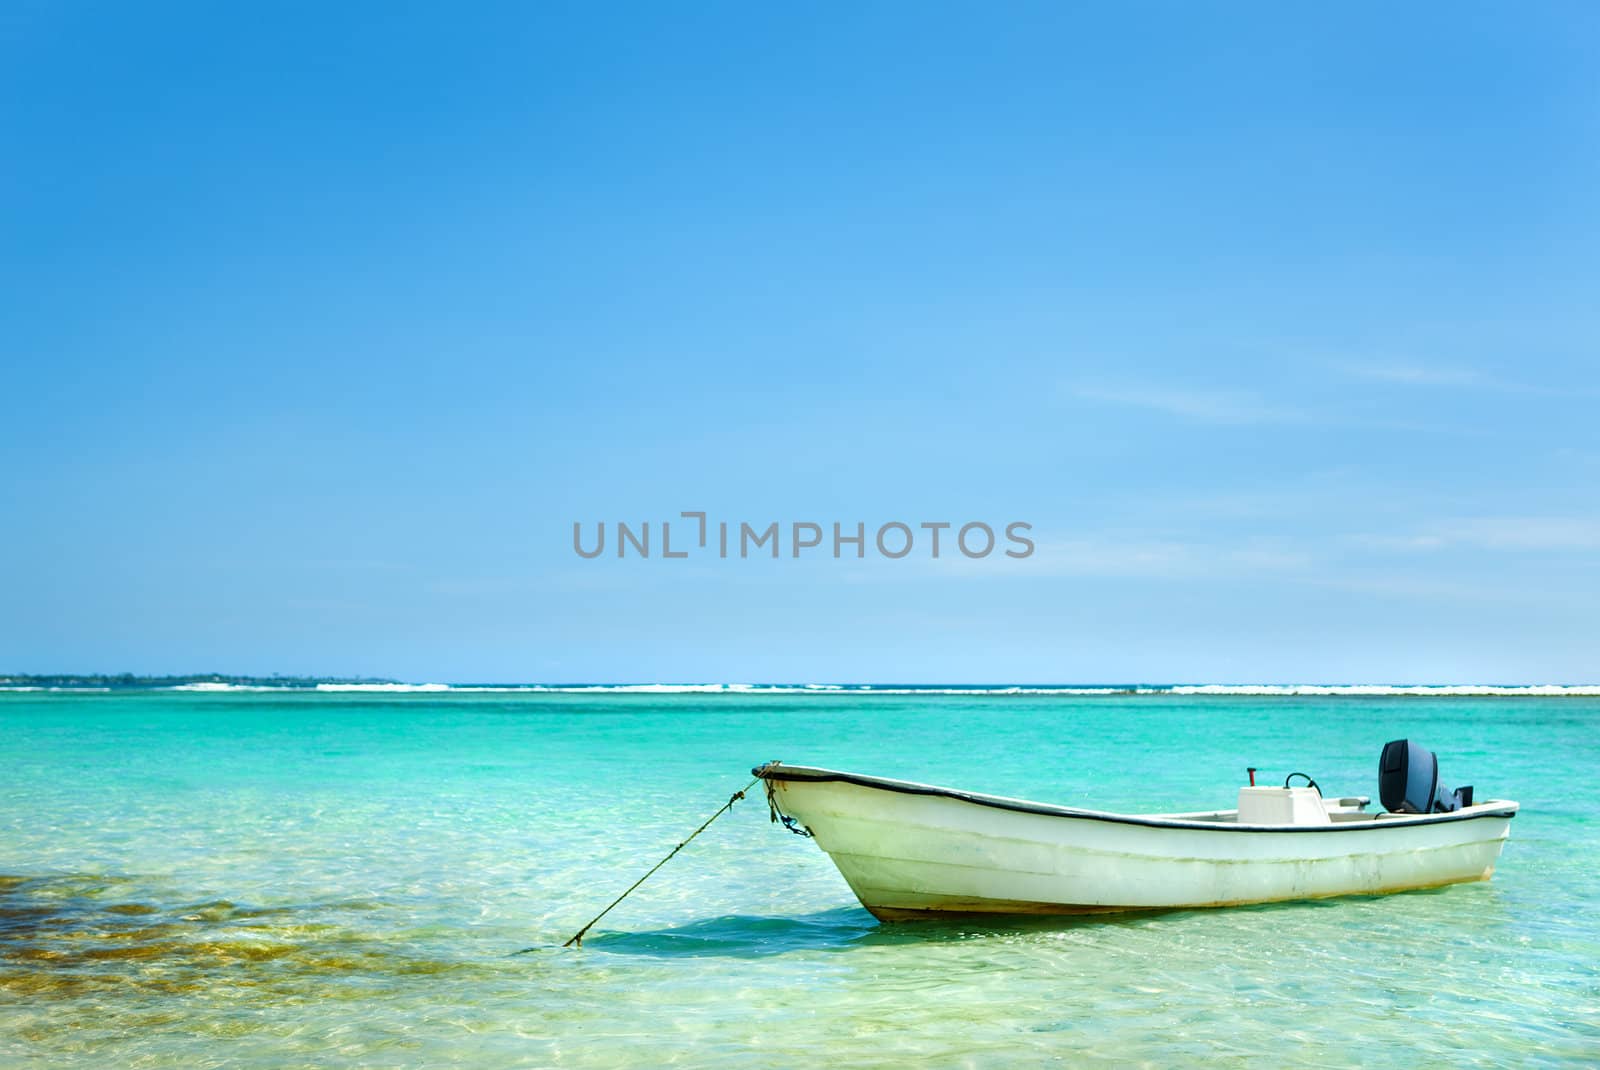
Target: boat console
point(1281, 806)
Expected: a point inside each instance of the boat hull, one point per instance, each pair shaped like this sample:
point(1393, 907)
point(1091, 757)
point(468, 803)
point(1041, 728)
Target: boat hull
point(913, 851)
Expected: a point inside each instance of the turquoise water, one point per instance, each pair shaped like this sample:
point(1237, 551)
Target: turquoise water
point(344, 879)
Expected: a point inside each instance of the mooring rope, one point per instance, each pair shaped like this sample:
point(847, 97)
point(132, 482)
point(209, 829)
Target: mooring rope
point(777, 815)
point(735, 797)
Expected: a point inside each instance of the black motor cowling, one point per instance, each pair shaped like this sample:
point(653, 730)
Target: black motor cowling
point(1408, 782)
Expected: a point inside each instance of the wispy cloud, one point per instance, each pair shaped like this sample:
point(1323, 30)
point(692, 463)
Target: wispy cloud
point(1114, 557)
point(1569, 455)
point(1111, 555)
point(1530, 533)
point(1233, 407)
point(1409, 587)
point(1417, 374)
point(1508, 533)
point(1447, 376)
point(1398, 543)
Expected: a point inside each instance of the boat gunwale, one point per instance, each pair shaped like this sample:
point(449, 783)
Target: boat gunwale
point(777, 771)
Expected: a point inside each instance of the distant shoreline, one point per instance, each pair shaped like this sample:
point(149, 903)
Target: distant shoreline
point(217, 683)
point(136, 682)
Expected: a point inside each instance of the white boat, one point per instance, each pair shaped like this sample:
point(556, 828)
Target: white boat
point(913, 850)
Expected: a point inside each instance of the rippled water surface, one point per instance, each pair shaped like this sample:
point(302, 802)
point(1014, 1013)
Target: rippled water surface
point(347, 879)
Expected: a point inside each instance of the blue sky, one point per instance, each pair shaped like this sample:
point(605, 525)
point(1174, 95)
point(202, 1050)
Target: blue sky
point(323, 324)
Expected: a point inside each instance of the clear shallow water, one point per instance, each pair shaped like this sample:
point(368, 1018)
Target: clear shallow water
point(343, 879)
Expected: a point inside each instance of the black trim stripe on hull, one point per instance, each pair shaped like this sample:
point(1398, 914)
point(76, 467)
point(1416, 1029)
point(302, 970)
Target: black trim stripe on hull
point(774, 771)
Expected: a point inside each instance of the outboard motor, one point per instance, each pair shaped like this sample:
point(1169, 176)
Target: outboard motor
point(1408, 782)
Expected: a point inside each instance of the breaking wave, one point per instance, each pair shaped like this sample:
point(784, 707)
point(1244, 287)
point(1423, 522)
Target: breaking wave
point(1425, 690)
point(400, 688)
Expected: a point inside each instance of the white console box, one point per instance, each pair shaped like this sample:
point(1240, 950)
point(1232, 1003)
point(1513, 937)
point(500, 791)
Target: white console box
point(1281, 806)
